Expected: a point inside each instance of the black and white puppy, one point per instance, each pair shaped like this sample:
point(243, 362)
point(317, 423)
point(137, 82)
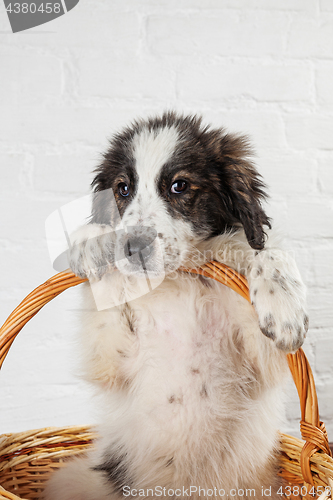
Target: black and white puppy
point(190, 372)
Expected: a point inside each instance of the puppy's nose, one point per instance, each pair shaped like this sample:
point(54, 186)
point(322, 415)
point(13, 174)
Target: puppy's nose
point(138, 249)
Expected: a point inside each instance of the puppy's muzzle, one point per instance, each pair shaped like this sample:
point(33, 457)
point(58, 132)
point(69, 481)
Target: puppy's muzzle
point(138, 249)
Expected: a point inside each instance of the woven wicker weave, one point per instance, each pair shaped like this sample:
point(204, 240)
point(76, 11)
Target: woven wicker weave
point(28, 458)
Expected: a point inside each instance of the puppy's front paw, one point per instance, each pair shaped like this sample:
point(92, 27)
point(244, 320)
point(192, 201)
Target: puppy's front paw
point(278, 295)
point(92, 250)
point(287, 332)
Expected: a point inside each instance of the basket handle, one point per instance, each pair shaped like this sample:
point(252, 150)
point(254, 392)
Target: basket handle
point(31, 305)
point(312, 429)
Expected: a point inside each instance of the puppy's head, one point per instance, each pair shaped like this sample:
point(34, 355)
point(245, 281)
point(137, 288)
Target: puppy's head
point(176, 183)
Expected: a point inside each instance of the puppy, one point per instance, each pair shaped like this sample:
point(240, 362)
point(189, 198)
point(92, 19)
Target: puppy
point(190, 372)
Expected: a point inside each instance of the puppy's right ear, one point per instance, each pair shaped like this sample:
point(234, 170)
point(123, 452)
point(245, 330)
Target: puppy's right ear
point(100, 213)
point(104, 206)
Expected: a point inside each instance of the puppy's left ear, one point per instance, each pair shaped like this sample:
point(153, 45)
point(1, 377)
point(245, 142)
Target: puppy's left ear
point(243, 188)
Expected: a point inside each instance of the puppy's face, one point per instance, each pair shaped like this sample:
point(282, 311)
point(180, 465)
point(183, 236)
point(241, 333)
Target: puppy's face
point(175, 184)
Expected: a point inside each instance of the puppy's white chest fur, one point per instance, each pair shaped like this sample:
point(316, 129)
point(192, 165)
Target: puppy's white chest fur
point(182, 359)
point(180, 338)
point(182, 328)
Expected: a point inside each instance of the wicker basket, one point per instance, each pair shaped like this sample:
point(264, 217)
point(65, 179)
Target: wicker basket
point(28, 458)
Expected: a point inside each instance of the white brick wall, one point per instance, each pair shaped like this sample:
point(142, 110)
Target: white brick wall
point(263, 67)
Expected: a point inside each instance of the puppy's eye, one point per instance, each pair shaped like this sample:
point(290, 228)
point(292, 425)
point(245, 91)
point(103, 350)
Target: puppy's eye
point(179, 187)
point(123, 189)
